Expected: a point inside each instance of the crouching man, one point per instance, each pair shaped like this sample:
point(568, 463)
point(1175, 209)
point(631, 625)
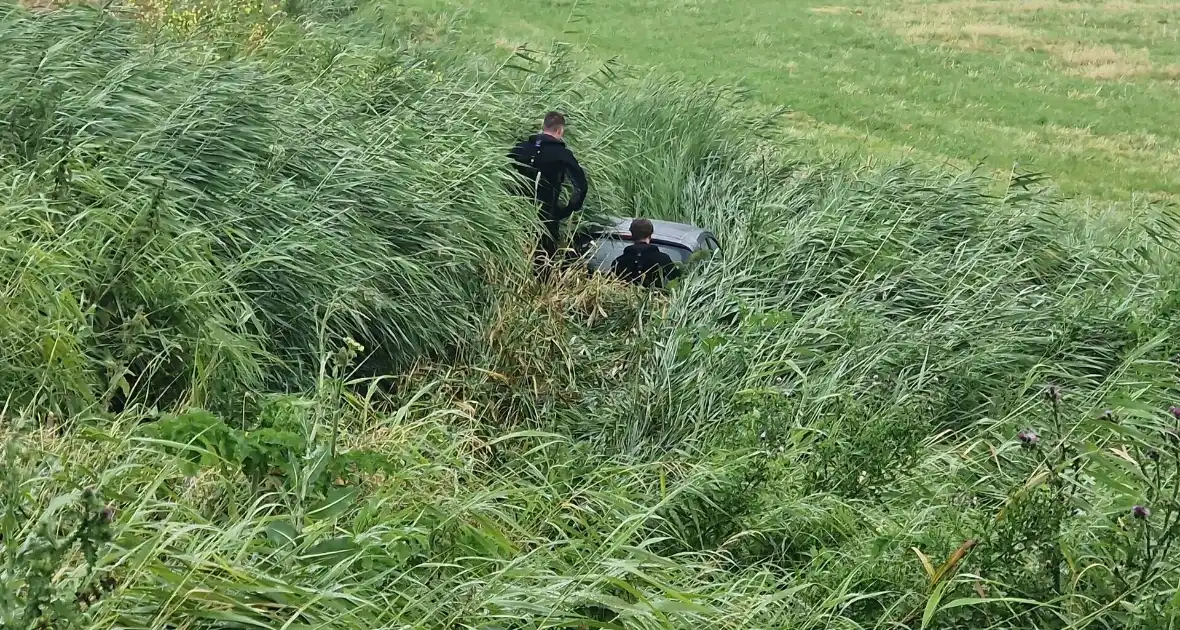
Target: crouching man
point(642, 262)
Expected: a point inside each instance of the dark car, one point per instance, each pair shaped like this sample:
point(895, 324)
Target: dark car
point(601, 242)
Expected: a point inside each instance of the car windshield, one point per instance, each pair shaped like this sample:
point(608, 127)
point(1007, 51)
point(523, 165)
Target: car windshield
point(606, 250)
point(677, 254)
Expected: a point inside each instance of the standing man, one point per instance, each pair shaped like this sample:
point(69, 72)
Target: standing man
point(543, 163)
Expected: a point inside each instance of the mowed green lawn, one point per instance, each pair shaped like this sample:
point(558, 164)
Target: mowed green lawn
point(1088, 92)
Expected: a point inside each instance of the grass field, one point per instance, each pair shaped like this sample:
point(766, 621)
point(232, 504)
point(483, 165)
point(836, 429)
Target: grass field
point(1088, 92)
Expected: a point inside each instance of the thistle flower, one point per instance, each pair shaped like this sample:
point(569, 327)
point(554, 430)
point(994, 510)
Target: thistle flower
point(1175, 412)
point(1141, 512)
point(1053, 393)
point(1028, 438)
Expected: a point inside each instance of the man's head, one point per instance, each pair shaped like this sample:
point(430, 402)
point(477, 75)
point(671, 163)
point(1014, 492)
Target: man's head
point(554, 125)
point(641, 230)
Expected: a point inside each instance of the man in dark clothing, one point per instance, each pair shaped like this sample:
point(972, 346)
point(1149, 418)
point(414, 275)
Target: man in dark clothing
point(643, 262)
point(543, 162)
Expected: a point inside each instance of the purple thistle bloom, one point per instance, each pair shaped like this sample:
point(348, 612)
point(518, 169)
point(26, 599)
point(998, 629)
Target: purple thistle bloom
point(1175, 412)
point(1141, 512)
point(1028, 438)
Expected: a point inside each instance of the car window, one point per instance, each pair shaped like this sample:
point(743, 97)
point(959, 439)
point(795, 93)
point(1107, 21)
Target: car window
point(606, 250)
point(677, 254)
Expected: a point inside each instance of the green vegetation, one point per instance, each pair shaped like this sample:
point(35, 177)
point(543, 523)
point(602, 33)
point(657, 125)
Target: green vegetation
point(272, 356)
point(1083, 91)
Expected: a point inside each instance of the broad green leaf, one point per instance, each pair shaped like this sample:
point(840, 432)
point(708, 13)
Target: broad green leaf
point(338, 500)
point(329, 551)
point(976, 601)
point(282, 533)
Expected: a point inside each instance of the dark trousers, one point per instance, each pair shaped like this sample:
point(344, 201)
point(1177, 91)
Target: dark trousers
point(546, 250)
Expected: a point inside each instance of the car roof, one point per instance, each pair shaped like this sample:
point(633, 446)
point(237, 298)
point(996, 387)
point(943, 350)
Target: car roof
point(669, 231)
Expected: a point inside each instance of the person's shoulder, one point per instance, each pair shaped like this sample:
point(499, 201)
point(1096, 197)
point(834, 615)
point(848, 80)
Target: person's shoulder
point(660, 254)
point(555, 146)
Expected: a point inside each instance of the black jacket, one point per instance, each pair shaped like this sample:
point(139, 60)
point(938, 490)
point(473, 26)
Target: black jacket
point(644, 263)
point(543, 163)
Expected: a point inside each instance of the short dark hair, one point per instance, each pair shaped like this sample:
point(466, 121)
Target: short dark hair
point(553, 120)
point(641, 229)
